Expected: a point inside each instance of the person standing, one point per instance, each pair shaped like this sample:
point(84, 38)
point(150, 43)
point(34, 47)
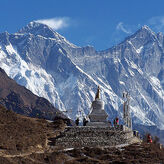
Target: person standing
point(77, 121)
point(116, 122)
point(149, 139)
point(84, 121)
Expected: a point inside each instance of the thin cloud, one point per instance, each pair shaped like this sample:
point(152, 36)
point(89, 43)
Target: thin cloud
point(56, 23)
point(157, 23)
point(123, 30)
point(120, 26)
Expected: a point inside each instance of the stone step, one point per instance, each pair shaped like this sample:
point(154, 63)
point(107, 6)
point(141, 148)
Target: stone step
point(94, 142)
point(97, 140)
point(107, 134)
point(91, 128)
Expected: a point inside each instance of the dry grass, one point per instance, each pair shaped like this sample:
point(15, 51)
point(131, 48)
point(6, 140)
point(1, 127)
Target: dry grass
point(19, 133)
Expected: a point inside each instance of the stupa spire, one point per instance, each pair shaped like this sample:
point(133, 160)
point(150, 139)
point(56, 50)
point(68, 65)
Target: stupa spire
point(98, 93)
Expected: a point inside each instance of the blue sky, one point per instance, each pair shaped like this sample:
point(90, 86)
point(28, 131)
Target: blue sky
point(100, 23)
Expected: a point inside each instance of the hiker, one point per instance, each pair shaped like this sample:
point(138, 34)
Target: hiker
point(149, 139)
point(116, 122)
point(85, 121)
point(77, 121)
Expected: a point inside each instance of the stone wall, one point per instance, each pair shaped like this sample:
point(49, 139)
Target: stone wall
point(81, 136)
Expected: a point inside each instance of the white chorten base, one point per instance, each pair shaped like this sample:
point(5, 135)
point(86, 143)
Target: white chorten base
point(98, 124)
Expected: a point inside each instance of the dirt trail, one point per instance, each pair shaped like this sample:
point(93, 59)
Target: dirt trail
point(2, 154)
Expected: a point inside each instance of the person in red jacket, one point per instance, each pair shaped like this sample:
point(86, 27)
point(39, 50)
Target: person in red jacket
point(149, 139)
point(116, 122)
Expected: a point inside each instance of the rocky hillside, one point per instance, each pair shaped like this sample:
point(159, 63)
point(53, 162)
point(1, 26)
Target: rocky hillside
point(25, 140)
point(144, 154)
point(23, 101)
point(20, 133)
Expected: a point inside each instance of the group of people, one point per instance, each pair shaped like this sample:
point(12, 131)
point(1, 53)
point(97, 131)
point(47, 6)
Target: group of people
point(115, 122)
point(84, 121)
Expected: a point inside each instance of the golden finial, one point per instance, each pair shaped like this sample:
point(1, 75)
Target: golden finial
point(98, 93)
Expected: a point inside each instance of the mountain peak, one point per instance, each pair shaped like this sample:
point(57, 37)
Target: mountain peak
point(143, 35)
point(146, 29)
point(36, 28)
point(33, 25)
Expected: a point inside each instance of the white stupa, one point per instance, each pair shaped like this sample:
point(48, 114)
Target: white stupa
point(98, 116)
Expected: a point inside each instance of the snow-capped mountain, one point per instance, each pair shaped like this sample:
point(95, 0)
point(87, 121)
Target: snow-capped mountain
point(50, 66)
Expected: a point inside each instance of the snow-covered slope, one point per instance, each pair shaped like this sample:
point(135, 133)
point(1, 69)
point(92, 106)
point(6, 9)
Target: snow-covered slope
point(52, 67)
point(32, 76)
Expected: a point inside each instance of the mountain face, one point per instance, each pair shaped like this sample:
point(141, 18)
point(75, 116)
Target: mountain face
point(21, 100)
point(50, 66)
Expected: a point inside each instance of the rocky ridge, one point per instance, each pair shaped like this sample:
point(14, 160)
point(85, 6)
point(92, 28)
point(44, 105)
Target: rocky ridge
point(21, 100)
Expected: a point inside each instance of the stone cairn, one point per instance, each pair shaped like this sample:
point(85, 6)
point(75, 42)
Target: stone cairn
point(97, 132)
